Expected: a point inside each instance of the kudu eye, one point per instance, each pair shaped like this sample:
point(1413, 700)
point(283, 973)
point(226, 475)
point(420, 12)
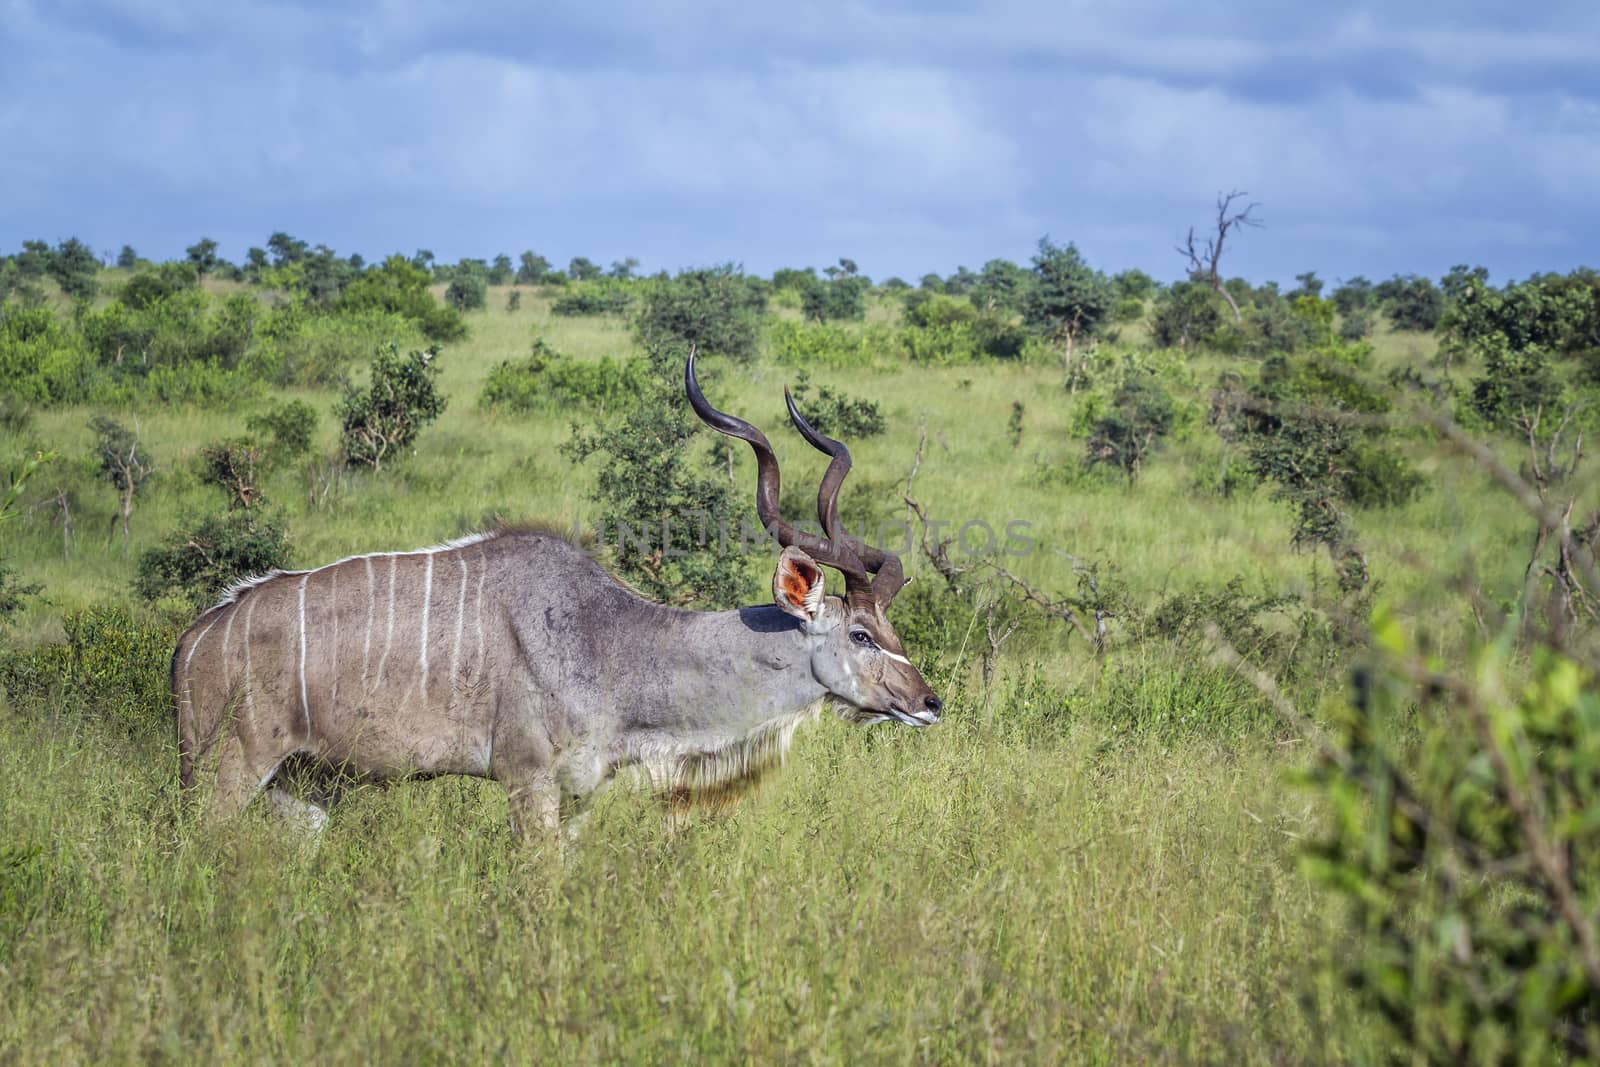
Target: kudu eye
point(862, 638)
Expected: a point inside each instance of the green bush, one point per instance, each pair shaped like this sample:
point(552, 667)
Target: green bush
point(113, 665)
point(599, 297)
point(829, 344)
point(648, 478)
point(291, 427)
point(1514, 384)
point(549, 379)
point(841, 299)
point(718, 311)
point(400, 399)
point(235, 466)
point(1068, 295)
point(1464, 847)
point(197, 564)
point(468, 292)
point(1188, 315)
point(1141, 415)
point(836, 414)
point(40, 361)
point(944, 330)
point(400, 287)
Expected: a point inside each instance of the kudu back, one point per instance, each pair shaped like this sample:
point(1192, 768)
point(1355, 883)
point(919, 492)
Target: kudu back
point(513, 655)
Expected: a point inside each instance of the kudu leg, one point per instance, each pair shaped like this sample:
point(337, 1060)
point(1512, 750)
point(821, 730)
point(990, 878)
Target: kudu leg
point(534, 804)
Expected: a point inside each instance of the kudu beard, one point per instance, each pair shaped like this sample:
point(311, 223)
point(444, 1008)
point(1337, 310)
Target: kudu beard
point(684, 534)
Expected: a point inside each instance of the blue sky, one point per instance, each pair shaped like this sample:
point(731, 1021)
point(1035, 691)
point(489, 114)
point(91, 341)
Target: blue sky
point(909, 137)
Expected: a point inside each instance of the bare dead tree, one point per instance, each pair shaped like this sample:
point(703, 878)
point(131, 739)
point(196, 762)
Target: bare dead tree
point(1204, 257)
point(124, 464)
point(61, 504)
point(1547, 468)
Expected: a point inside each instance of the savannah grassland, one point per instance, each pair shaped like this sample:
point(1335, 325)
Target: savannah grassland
point(1095, 861)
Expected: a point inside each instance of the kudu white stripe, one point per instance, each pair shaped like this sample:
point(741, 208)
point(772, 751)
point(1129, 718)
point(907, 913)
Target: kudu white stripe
point(572, 676)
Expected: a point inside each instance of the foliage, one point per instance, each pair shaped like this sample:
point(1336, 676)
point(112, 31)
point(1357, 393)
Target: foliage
point(118, 453)
point(1140, 417)
point(1068, 296)
point(944, 330)
point(74, 267)
point(1514, 384)
point(196, 564)
point(113, 665)
point(40, 361)
point(1243, 618)
point(602, 297)
point(839, 299)
point(1187, 315)
point(716, 310)
point(532, 269)
point(1352, 296)
point(291, 427)
point(1002, 286)
point(548, 379)
point(836, 414)
point(234, 466)
point(651, 494)
point(1411, 302)
point(400, 399)
point(828, 344)
point(1464, 844)
point(468, 292)
point(203, 255)
point(400, 287)
point(1296, 431)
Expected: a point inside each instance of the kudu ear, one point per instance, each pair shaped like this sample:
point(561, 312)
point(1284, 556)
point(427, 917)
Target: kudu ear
point(797, 585)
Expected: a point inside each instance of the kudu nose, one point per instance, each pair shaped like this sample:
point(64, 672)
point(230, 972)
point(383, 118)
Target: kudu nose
point(932, 705)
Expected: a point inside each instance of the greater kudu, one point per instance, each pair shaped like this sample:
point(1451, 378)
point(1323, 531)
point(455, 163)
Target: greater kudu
point(514, 656)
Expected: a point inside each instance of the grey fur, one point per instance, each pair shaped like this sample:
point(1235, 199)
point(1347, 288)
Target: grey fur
point(514, 656)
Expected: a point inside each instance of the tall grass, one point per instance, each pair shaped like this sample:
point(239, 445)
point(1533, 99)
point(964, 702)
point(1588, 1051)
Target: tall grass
point(1094, 864)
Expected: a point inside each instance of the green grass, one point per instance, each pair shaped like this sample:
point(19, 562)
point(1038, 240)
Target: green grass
point(970, 894)
point(1096, 864)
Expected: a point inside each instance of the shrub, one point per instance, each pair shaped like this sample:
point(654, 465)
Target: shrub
point(291, 426)
point(1355, 326)
point(114, 664)
point(1462, 845)
point(1294, 429)
point(838, 299)
point(401, 287)
point(1128, 309)
point(74, 267)
point(1068, 296)
point(468, 292)
point(546, 378)
point(400, 399)
point(600, 297)
point(1141, 415)
point(197, 564)
point(828, 344)
point(1188, 315)
point(1513, 383)
point(836, 414)
point(234, 466)
point(299, 347)
point(717, 310)
point(944, 330)
point(1412, 303)
point(650, 483)
point(123, 464)
point(40, 361)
